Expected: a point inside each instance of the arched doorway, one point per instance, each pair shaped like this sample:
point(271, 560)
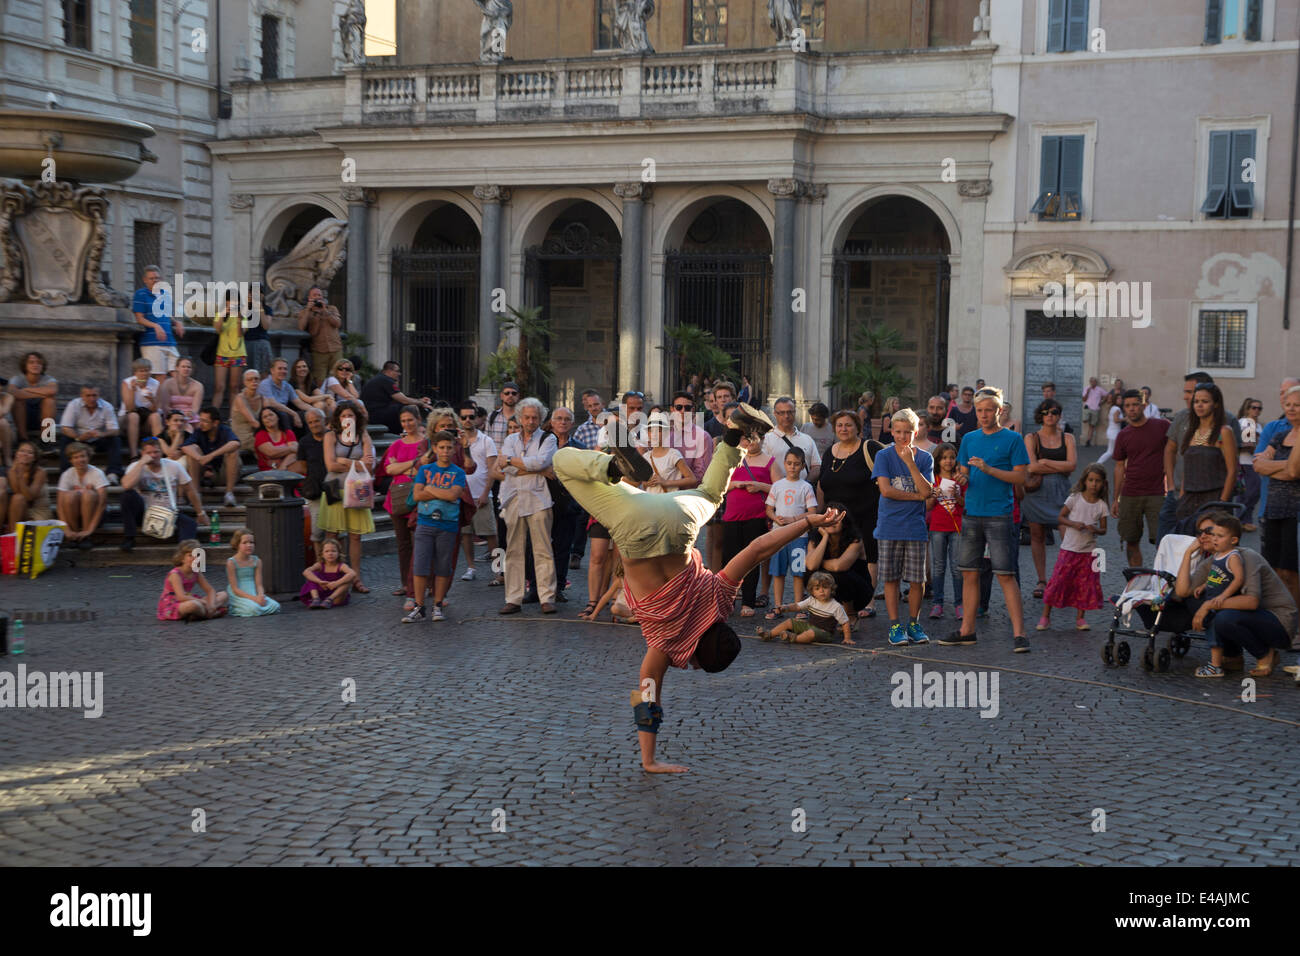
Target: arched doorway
point(435, 306)
point(573, 274)
point(301, 223)
point(892, 269)
point(720, 279)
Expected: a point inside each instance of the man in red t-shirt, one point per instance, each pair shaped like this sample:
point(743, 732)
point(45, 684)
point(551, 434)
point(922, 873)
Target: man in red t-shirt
point(1140, 480)
point(681, 606)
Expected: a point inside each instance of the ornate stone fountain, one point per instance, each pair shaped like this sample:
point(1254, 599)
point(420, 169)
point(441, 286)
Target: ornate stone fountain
point(52, 237)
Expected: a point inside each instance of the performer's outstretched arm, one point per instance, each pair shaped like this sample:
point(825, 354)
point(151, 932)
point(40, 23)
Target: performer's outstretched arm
point(763, 547)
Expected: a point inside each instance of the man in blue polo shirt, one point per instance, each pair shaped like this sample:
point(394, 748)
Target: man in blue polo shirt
point(994, 460)
point(153, 313)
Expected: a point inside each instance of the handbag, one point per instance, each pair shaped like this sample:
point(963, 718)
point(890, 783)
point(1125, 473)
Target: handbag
point(209, 352)
point(1033, 482)
point(400, 504)
point(160, 522)
point(332, 487)
point(358, 487)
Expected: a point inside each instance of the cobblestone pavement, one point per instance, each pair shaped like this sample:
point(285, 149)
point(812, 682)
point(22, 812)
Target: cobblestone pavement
point(524, 722)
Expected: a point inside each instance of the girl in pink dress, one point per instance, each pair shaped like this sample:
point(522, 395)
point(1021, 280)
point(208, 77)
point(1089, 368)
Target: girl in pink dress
point(187, 595)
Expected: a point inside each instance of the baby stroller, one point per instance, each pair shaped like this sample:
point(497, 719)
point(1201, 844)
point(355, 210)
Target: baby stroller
point(1152, 588)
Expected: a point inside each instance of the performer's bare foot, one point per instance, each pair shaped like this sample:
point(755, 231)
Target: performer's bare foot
point(658, 767)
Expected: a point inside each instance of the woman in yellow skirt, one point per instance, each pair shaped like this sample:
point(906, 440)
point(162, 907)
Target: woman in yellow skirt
point(347, 442)
point(231, 353)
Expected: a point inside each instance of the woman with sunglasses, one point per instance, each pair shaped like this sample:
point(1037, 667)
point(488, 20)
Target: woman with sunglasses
point(1248, 419)
point(1052, 457)
point(341, 385)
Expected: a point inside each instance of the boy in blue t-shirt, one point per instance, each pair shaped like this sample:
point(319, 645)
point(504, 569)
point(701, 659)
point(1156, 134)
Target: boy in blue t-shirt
point(437, 494)
point(995, 460)
point(905, 475)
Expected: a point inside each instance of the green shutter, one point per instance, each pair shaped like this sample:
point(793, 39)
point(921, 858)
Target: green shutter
point(1253, 17)
point(1243, 148)
point(1076, 27)
point(1071, 185)
point(1056, 26)
point(1220, 155)
point(1049, 174)
point(1214, 21)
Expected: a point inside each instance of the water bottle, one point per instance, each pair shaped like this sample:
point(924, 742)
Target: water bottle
point(214, 528)
point(17, 643)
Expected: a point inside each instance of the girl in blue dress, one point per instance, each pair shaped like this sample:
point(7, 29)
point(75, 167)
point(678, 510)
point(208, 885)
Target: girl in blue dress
point(244, 577)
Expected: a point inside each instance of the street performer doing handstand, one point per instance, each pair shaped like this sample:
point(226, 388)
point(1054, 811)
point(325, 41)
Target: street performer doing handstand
point(682, 607)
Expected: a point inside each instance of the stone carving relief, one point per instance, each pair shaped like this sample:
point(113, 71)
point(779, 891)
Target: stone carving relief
point(975, 188)
point(313, 261)
point(53, 236)
point(352, 33)
point(783, 15)
point(1032, 269)
point(498, 15)
point(629, 25)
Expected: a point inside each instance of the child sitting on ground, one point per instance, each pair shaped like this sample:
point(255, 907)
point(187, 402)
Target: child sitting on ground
point(187, 595)
point(329, 580)
point(789, 500)
point(825, 614)
point(1226, 577)
point(244, 578)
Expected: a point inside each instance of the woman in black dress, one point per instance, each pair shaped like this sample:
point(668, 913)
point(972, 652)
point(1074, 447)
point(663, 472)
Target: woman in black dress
point(846, 477)
point(838, 549)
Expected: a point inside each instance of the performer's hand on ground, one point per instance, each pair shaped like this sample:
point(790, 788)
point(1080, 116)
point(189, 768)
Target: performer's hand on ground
point(658, 767)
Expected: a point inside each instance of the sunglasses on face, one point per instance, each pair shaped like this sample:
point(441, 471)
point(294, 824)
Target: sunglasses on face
point(467, 418)
point(1051, 412)
point(1204, 531)
point(682, 408)
point(509, 392)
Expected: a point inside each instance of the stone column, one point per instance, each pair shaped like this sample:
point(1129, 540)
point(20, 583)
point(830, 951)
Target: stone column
point(780, 379)
point(489, 270)
point(631, 326)
point(358, 316)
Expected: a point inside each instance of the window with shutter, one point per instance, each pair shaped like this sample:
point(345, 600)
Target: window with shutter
point(270, 48)
point(1230, 190)
point(1233, 20)
point(1056, 26)
point(1067, 26)
point(1060, 179)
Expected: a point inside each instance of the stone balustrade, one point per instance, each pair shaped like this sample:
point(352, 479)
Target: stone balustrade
point(720, 82)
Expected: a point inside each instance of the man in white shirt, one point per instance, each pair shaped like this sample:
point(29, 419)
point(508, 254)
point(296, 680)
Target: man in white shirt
point(482, 450)
point(779, 439)
point(694, 443)
point(160, 482)
point(1092, 397)
point(82, 495)
point(526, 506)
point(91, 421)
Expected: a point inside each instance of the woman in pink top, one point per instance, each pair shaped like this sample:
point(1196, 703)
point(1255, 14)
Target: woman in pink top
point(182, 393)
point(745, 518)
point(400, 464)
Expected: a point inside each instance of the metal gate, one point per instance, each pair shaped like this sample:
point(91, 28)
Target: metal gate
point(857, 257)
point(1054, 353)
point(435, 321)
point(728, 294)
point(574, 243)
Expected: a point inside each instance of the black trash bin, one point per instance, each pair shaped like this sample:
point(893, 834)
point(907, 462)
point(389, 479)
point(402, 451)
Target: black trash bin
point(275, 518)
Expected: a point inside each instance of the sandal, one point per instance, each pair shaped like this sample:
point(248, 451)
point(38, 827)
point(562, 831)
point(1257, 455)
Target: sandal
point(761, 602)
point(589, 609)
point(1210, 670)
point(497, 583)
point(327, 604)
point(746, 612)
point(1264, 665)
point(771, 615)
point(360, 588)
point(1038, 591)
point(400, 592)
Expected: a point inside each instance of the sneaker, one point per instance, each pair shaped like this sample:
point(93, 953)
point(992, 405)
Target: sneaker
point(114, 480)
point(957, 609)
point(915, 635)
point(1020, 645)
point(897, 635)
point(437, 613)
point(957, 639)
point(752, 423)
point(468, 575)
point(230, 500)
point(416, 615)
point(630, 463)
point(1043, 624)
point(936, 612)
